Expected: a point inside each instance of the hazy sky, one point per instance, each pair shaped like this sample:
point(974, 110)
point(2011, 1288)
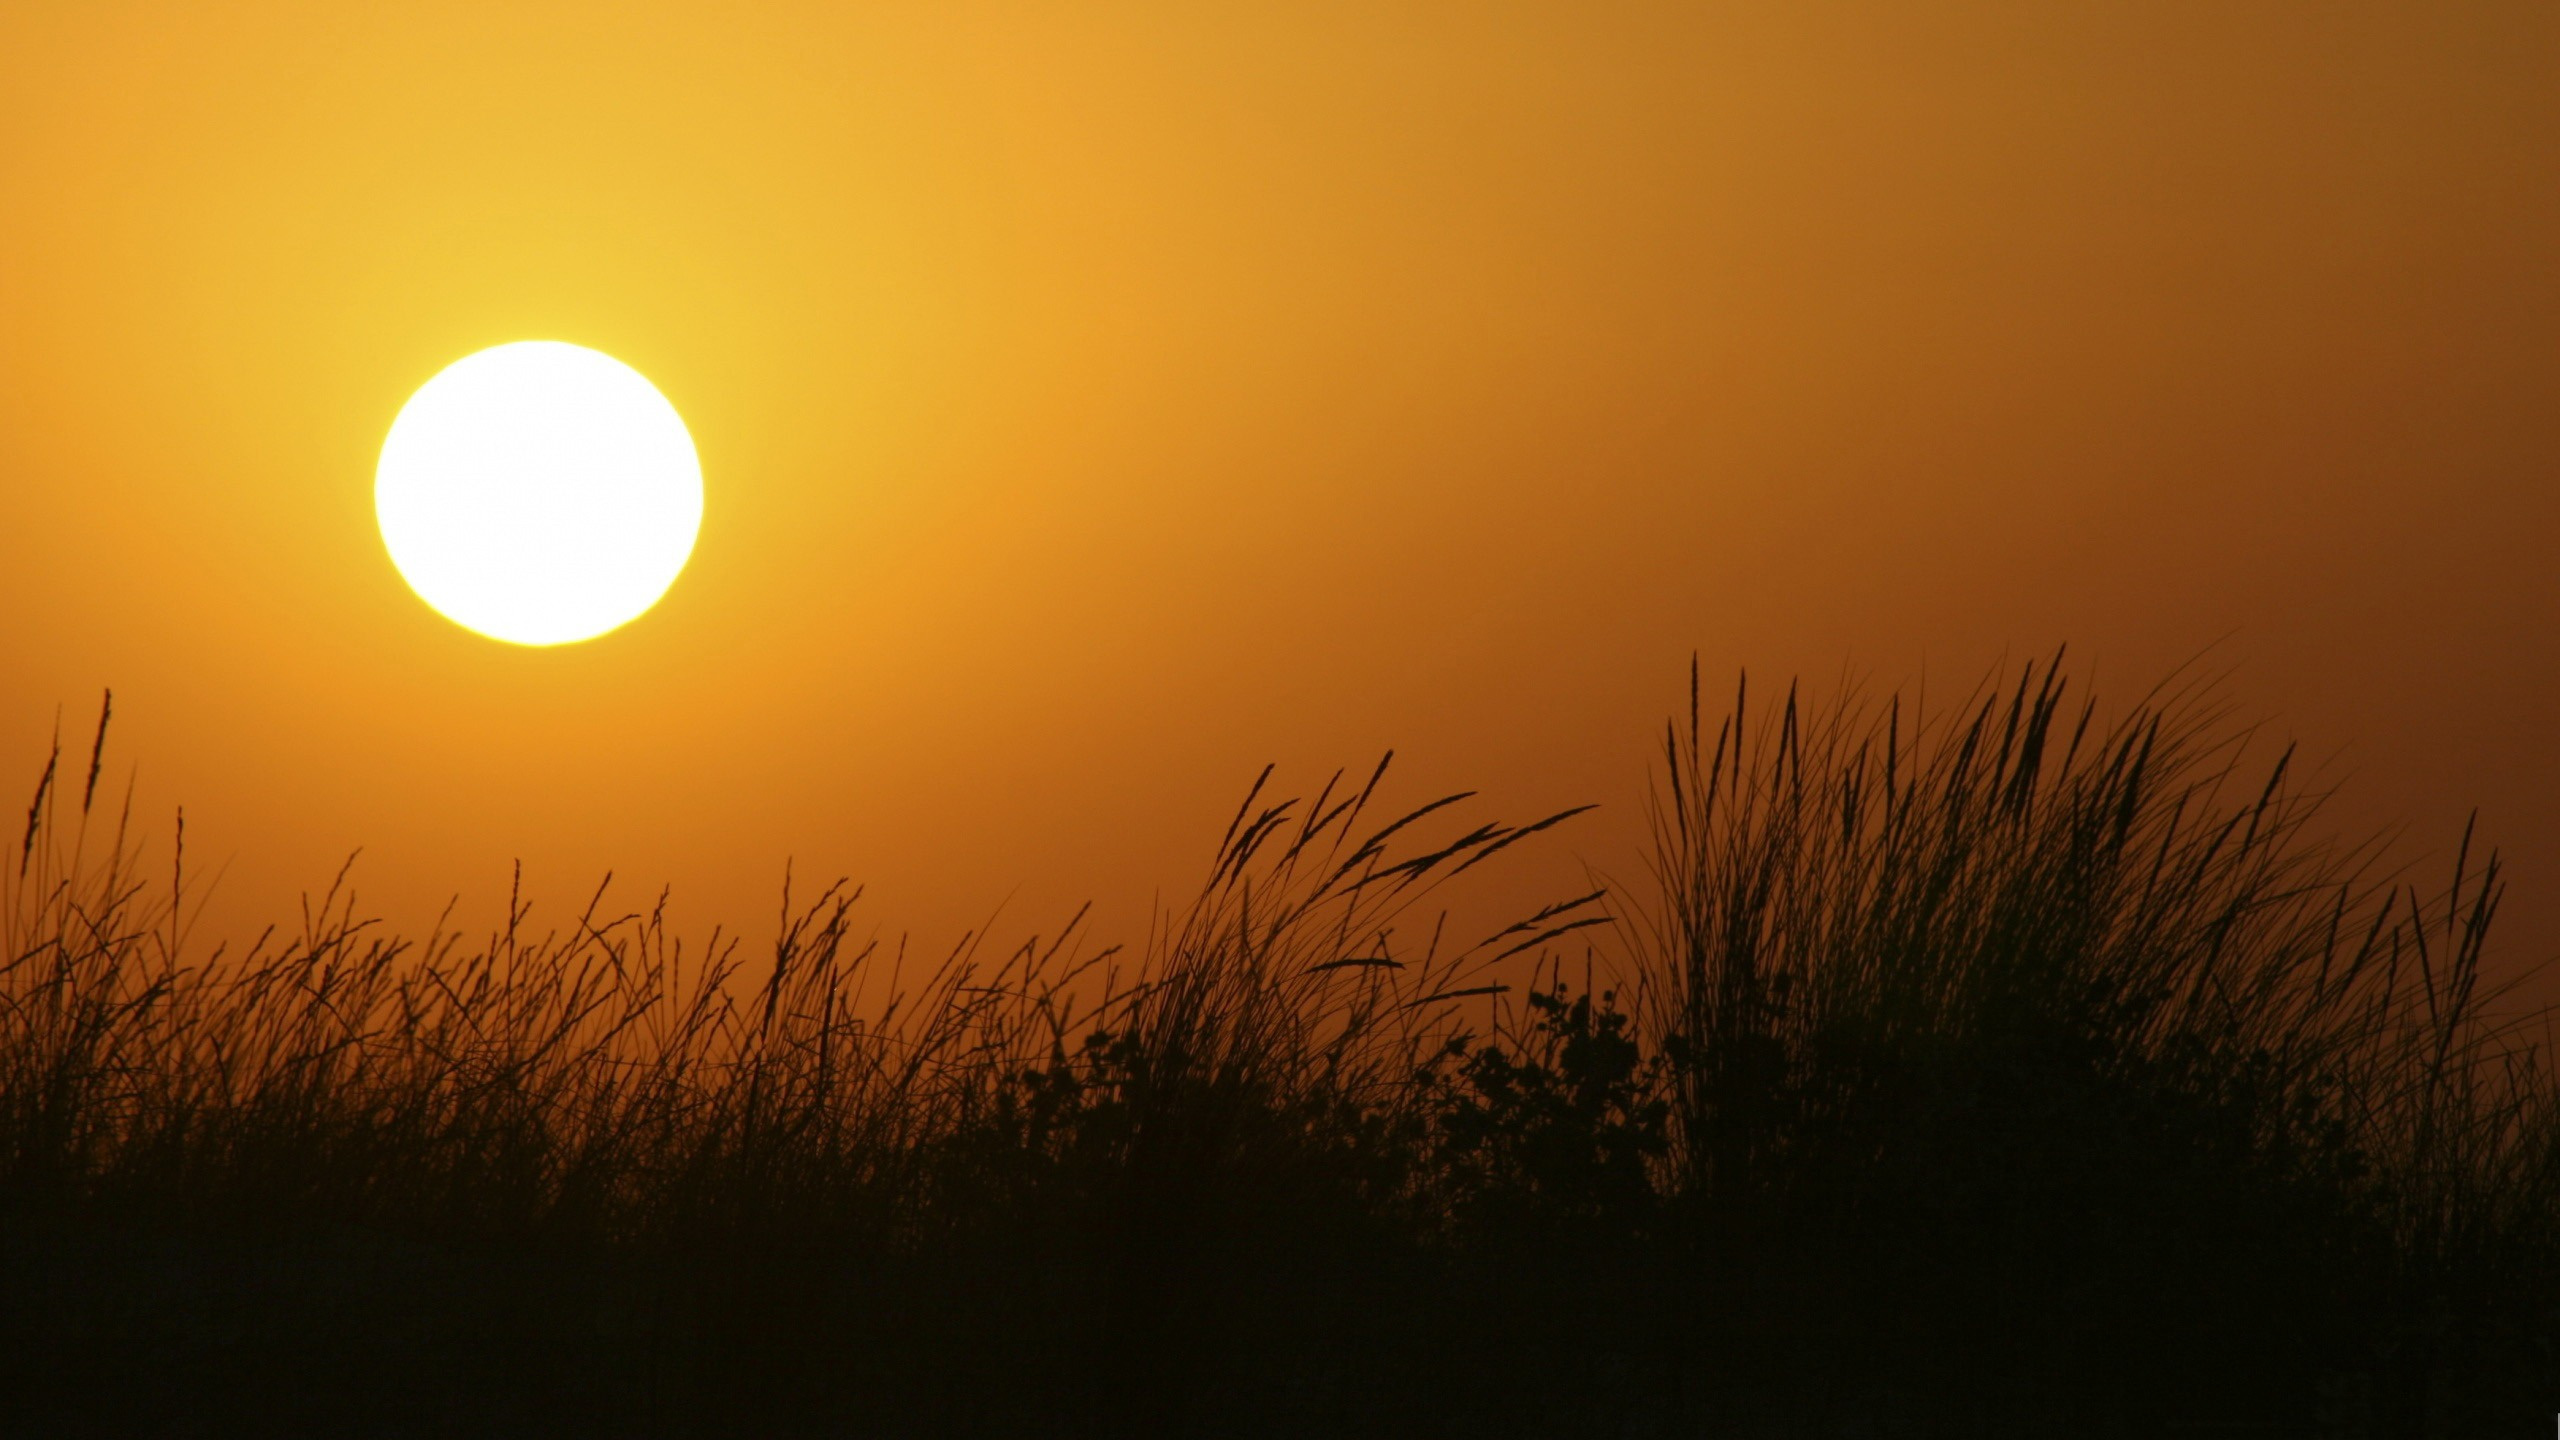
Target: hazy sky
point(1097, 401)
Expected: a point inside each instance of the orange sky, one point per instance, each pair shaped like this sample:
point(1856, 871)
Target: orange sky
point(1097, 401)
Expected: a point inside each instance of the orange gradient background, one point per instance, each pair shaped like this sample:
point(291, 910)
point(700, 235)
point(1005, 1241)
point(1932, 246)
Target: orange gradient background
point(1099, 400)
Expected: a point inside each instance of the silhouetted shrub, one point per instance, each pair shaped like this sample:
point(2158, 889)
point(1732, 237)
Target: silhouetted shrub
point(1566, 1123)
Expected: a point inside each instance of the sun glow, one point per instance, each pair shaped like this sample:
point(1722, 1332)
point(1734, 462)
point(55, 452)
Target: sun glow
point(539, 493)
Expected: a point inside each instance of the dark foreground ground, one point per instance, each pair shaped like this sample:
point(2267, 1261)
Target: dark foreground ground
point(180, 1330)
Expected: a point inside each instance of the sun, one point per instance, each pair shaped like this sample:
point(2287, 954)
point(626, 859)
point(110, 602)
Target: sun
point(539, 493)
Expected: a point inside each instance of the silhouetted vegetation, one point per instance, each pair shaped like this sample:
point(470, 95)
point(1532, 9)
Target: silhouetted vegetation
point(2008, 1070)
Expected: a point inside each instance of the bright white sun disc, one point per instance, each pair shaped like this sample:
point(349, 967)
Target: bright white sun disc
point(539, 493)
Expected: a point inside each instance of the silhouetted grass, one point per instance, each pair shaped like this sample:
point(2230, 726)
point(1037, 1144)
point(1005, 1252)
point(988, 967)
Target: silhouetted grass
point(2074, 1052)
point(1995, 1071)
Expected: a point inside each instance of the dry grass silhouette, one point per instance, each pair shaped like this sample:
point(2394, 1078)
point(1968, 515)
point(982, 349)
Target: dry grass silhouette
point(1967, 1072)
